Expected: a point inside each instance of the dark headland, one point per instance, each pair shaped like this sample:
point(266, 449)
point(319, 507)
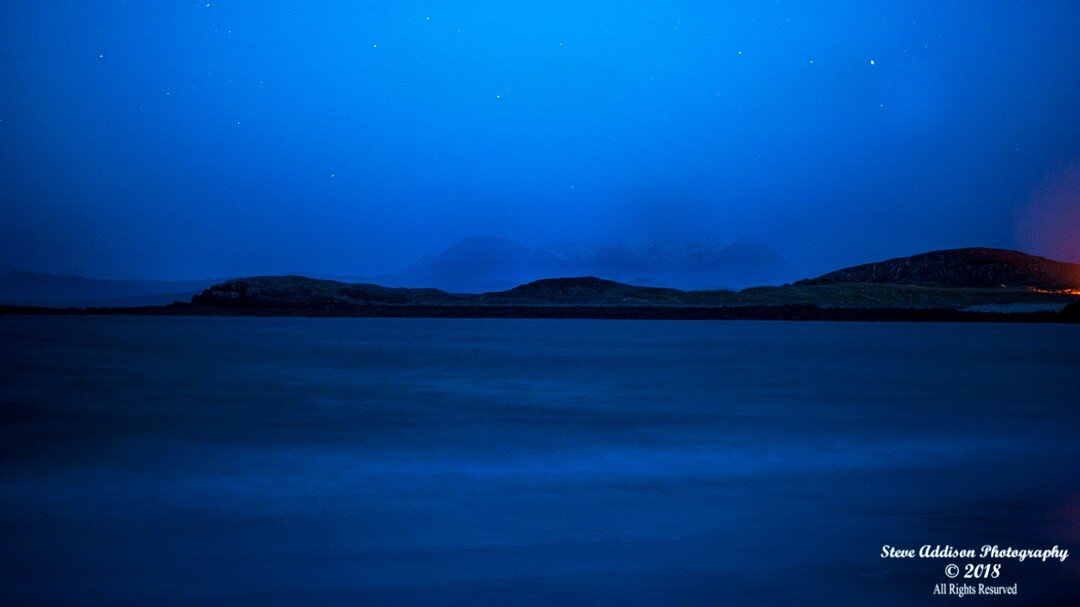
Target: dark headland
point(976, 284)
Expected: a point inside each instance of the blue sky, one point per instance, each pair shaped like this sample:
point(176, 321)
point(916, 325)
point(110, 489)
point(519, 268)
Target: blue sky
point(195, 139)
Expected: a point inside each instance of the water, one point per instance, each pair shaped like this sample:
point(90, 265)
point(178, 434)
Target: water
point(195, 461)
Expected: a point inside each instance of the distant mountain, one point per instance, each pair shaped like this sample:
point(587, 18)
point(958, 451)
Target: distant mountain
point(478, 264)
point(956, 268)
point(482, 264)
point(31, 289)
point(740, 264)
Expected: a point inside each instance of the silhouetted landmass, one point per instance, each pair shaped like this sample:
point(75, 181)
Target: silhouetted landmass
point(591, 297)
point(302, 292)
point(956, 268)
point(309, 293)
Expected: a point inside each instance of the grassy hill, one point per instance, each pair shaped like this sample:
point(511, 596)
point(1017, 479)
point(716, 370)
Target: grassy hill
point(962, 268)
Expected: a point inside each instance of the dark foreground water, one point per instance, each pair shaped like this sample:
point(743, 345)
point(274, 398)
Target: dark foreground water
point(215, 461)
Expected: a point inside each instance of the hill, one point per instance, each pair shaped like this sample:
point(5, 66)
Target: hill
point(962, 268)
point(311, 293)
point(586, 290)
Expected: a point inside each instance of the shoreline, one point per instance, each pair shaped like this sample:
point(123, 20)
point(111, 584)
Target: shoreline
point(809, 312)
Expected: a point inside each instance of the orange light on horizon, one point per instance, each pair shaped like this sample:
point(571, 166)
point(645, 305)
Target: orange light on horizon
point(1054, 291)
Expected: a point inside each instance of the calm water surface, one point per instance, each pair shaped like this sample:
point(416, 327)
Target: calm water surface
point(199, 461)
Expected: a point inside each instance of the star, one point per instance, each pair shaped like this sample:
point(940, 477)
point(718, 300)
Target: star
point(872, 62)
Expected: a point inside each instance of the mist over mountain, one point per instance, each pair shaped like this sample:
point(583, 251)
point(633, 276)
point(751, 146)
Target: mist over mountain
point(480, 264)
point(477, 264)
point(743, 263)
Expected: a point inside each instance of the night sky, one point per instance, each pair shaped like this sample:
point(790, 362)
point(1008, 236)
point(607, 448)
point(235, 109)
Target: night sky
point(205, 139)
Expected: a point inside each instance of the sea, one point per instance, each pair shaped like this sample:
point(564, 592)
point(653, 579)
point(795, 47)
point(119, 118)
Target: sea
point(301, 461)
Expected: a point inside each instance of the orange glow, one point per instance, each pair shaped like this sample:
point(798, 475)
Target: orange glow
point(1055, 292)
